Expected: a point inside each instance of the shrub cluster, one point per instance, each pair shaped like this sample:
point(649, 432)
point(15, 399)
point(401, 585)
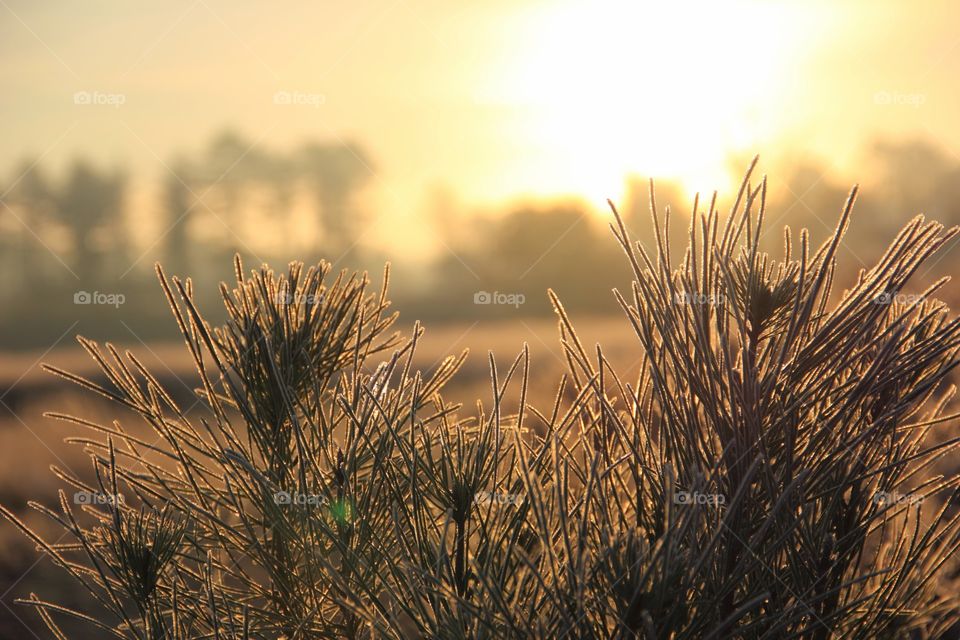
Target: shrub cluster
point(326, 490)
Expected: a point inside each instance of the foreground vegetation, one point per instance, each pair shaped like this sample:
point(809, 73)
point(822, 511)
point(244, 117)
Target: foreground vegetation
point(767, 475)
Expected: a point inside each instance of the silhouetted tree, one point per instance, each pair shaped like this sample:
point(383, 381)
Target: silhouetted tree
point(336, 173)
point(28, 204)
point(916, 176)
point(87, 204)
point(224, 169)
point(536, 247)
point(178, 205)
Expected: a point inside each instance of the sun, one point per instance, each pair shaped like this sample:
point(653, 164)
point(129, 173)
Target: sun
point(669, 89)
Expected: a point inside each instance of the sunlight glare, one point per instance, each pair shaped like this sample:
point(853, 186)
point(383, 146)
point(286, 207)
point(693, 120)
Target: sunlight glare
point(617, 88)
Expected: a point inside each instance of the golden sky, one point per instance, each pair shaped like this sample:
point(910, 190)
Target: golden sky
point(489, 100)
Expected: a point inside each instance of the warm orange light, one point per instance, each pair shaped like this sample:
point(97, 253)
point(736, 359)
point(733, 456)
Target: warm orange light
point(667, 89)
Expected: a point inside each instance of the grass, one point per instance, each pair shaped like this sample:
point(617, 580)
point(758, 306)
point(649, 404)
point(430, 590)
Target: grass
point(765, 475)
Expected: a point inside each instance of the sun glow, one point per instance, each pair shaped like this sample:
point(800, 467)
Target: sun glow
point(664, 89)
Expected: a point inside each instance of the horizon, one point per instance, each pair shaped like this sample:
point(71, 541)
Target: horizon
point(484, 105)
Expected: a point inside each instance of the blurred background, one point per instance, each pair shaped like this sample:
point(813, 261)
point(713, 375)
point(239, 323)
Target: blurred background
point(471, 145)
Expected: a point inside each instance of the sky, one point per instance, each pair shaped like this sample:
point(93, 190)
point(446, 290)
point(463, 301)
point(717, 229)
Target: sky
point(489, 101)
